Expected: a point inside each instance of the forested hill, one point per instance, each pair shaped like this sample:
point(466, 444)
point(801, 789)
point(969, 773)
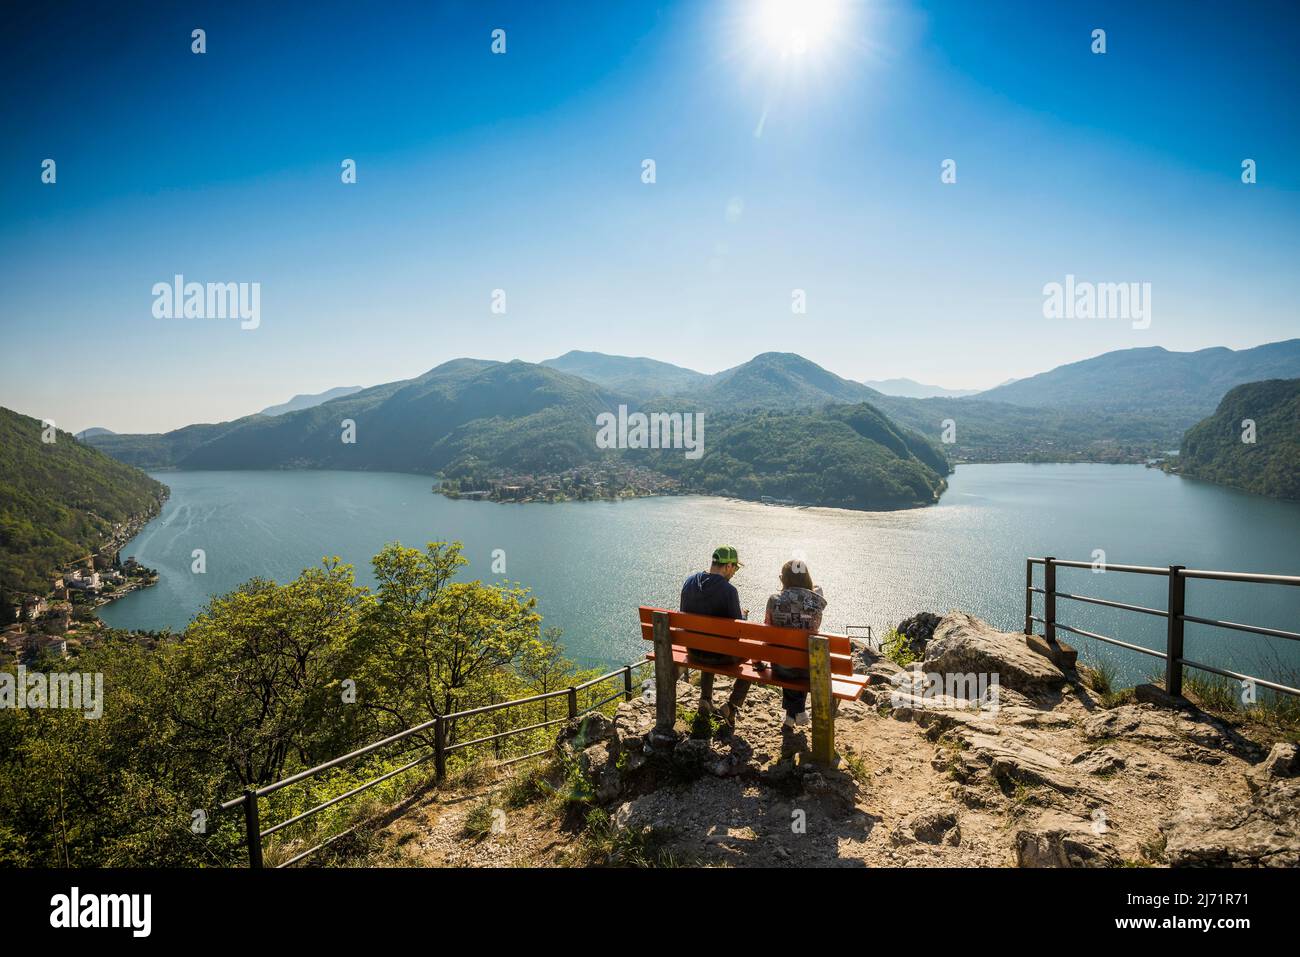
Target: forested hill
point(59, 500)
point(1214, 449)
point(842, 456)
point(473, 420)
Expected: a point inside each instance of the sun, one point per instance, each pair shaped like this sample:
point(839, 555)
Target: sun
point(796, 27)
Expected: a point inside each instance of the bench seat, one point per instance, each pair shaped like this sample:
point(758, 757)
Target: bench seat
point(843, 687)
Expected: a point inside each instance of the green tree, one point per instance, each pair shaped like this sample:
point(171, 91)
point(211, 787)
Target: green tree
point(258, 678)
point(434, 645)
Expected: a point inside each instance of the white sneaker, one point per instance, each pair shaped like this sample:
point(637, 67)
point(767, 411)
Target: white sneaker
point(801, 719)
point(788, 722)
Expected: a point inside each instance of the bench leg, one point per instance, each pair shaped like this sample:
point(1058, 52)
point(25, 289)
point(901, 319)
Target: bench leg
point(665, 683)
point(823, 705)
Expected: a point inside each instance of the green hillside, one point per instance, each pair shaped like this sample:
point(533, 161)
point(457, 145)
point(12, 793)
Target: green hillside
point(58, 501)
point(845, 456)
point(1213, 449)
point(776, 380)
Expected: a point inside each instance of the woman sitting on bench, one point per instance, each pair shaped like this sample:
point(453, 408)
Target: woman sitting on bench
point(798, 604)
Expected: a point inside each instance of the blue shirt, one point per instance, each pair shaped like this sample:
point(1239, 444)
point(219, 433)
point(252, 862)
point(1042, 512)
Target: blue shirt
point(705, 593)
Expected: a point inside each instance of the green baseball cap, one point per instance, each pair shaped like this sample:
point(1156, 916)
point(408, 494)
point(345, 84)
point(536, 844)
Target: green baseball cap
point(726, 555)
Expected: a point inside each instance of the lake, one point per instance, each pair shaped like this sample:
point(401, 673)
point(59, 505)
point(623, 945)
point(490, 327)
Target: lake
point(591, 563)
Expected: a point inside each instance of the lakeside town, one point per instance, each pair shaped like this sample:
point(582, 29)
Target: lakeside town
point(60, 622)
point(586, 483)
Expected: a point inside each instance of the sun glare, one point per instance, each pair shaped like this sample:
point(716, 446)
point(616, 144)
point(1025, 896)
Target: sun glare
point(796, 27)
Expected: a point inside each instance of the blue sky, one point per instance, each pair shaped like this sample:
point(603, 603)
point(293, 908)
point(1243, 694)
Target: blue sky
point(522, 172)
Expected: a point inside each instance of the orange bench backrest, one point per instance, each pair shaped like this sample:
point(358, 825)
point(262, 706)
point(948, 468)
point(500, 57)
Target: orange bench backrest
point(745, 639)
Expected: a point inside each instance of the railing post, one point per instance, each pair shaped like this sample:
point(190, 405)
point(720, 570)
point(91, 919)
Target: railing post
point(1049, 599)
point(573, 703)
point(1029, 596)
point(823, 705)
point(664, 734)
point(496, 742)
point(439, 747)
point(627, 683)
point(253, 828)
point(1174, 641)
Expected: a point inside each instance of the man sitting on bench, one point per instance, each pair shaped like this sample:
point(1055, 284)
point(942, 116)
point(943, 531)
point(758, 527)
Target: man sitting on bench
point(711, 593)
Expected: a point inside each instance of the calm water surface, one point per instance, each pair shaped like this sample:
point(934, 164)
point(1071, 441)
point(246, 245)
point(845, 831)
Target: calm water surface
point(592, 563)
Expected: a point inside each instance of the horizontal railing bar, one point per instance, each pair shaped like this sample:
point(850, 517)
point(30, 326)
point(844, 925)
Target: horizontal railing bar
point(359, 752)
point(1037, 619)
point(1232, 674)
point(1241, 577)
point(1111, 641)
point(343, 797)
point(601, 703)
point(312, 850)
point(612, 674)
point(502, 734)
point(1136, 569)
point(1235, 626)
point(334, 762)
point(1211, 575)
point(1159, 613)
point(488, 708)
point(1036, 590)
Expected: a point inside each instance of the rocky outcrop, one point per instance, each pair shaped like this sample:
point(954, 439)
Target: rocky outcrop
point(1059, 840)
point(963, 644)
point(1045, 776)
point(1263, 832)
point(1282, 762)
point(918, 630)
point(1188, 735)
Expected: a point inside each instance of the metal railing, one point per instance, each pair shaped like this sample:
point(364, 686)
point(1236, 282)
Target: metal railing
point(438, 750)
point(870, 638)
point(1175, 614)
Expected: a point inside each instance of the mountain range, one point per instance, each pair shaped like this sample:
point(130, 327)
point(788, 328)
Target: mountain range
point(471, 417)
point(307, 401)
point(911, 389)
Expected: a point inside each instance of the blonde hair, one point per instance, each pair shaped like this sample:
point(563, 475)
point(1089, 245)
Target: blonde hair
point(795, 574)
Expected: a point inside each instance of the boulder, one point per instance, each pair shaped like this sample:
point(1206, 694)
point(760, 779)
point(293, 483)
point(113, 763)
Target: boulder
point(1058, 840)
point(1282, 762)
point(929, 826)
point(1185, 735)
point(1058, 653)
point(1009, 762)
point(918, 630)
point(963, 644)
point(1263, 832)
point(1099, 761)
point(1154, 694)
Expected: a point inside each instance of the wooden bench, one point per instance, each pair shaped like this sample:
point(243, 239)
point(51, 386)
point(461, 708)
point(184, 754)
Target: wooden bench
point(828, 659)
